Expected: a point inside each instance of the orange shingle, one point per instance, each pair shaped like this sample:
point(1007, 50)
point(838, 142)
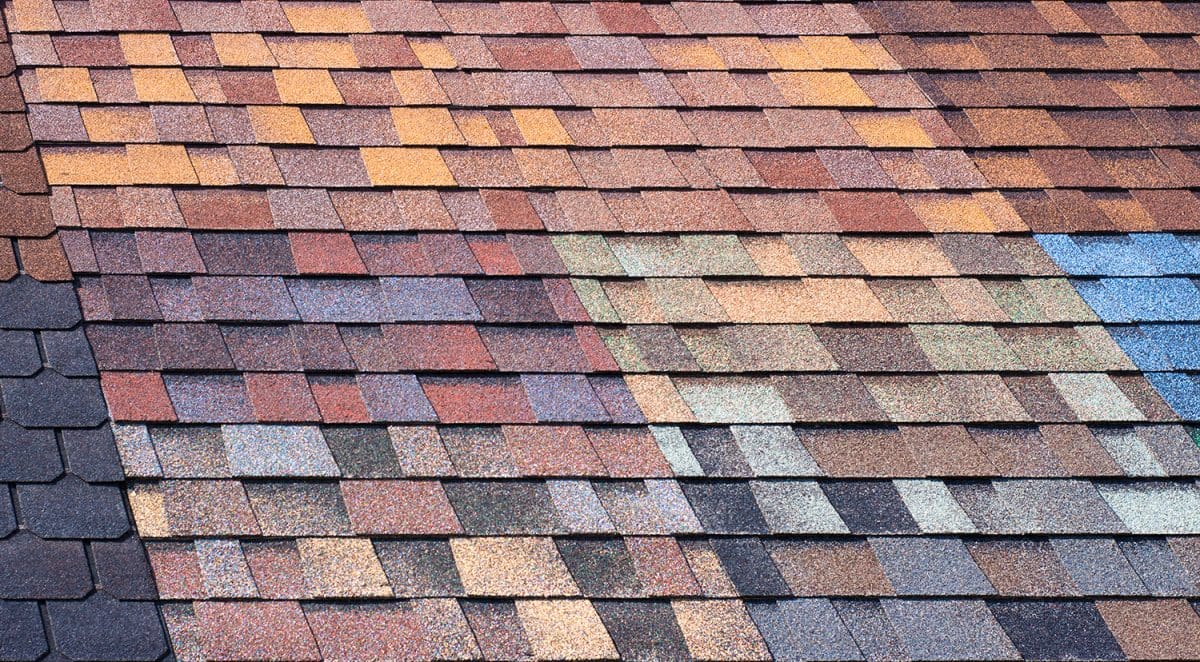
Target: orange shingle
point(426, 126)
point(306, 86)
point(326, 17)
point(160, 164)
point(69, 84)
point(98, 166)
point(162, 86)
point(242, 50)
point(279, 124)
point(148, 49)
point(406, 166)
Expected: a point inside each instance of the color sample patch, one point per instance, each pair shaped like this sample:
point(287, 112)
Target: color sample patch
point(1141, 284)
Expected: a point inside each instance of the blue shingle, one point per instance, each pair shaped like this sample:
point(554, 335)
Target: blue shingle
point(1180, 391)
point(1066, 254)
point(1167, 252)
point(1179, 342)
point(1156, 299)
point(1116, 255)
point(1101, 300)
point(1140, 348)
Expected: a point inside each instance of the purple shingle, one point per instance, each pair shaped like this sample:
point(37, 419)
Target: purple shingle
point(209, 398)
point(244, 298)
point(395, 398)
point(563, 398)
point(429, 299)
point(338, 300)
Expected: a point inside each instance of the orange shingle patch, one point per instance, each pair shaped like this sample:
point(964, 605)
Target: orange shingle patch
point(279, 124)
point(86, 166)
point(118, 124)
point(66, 84)
point(148, 49)
point(426, 126)
point(326, 17)
point(432, 53)
point(242, 50)
point(540, 126)
point(162, 85)
point(406, 166)
point(306, 86)
point(160, 164)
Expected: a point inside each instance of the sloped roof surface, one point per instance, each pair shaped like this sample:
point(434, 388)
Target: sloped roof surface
point(692, 330)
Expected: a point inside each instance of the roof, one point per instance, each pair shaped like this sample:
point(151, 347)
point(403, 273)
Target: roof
point(691, 330)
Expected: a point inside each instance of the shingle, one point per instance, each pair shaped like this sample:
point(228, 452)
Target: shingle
point(224, 569)
point(71, 508)
point(796, 506)
point(51, 400)
point(1057, 630)
point(123, 570)
point(298, 508)
point(28, 304)
point(949, 630)
point(30, 455)
point(871, 629)
point(930, 566)
point(1156, 565)
point(869, 506)
point(1097, 567)
point(749, 567)
point(33, 569)
point(25, 638)
point(104, 628)
point(18, 354)
point(419, 567)
point(601, 568)
point(1155, 508)
point(342, 567)
point(399, 507)
point(808, 629)
point(260, 450)
point(719, 629)
point(578, 506)
point(438, 299)
point(725, 507)
point(362, 452)
point(643, 630)
point(492, 508)
point(68, 353)
point(329, 300)
point(512, 567)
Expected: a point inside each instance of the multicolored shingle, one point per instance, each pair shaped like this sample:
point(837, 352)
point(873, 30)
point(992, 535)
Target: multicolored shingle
point(690, 330)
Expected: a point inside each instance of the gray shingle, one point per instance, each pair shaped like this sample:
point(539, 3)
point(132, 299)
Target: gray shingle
point(949, 630)
point(871, 629)
point(29, 455)
point(19, 355)
point(71, 508)
point(1097, 567)
point(1155, 508)
point(1157, 566)
point(493, 508)
point(749, 567)
point(32, 568)
point(23, 637)
point(1057, 630)
point(102, 628)
point(930, 566)
point(49, 400)
point(804, 629)
point(69, 353)
point(796, 506)
point(278, 450)
point(643, 630)
point(28, 304)
point(869, 506)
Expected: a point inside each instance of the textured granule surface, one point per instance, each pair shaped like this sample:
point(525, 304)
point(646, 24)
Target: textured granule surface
point(397, 329)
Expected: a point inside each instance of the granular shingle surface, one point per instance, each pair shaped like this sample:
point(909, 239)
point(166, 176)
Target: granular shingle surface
point(364, 330)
